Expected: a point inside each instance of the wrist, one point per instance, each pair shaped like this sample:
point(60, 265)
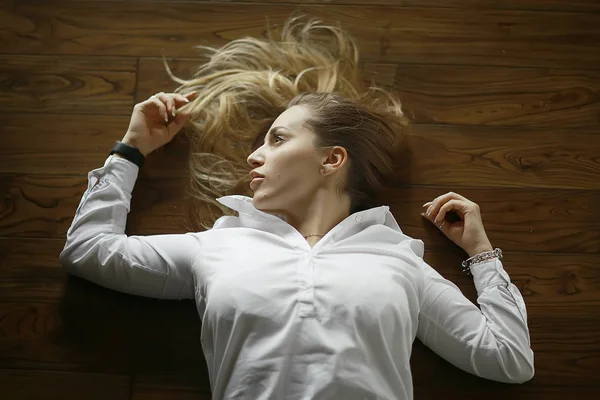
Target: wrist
point(130, 142)
point(128, 152)
point(479, 250)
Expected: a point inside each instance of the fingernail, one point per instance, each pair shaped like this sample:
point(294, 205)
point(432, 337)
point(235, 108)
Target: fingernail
point(186, 100)
point(166, 117)
point(428, 211)
point(173, 113)
point(426, 204)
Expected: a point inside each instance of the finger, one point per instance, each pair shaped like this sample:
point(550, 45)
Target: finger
point(169, 102)
point(181, 100)
point(430, 219)
point(441, 200)
point(449, 206)
point(427, 217)
point(158, 104)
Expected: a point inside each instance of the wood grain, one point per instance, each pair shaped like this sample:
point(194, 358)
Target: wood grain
point(65, 332)
point(478, 95)
point(449, 94)
point(44, 206)
point(94, 329)
point(540, 220)
point(541, 215)
point(390, 34)
point(62, 84)
point(450, 156)
point(441, 155)
point(502, 391)
point(27, 385)
point(504, 100)
point(541, 5)
point(76, 337)
point(431, 94)
point(76, 144)
point(555, 365)
point(168, 387)
point(551, 284)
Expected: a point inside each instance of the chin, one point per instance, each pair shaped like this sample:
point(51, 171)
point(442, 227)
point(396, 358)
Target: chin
point(261, 206)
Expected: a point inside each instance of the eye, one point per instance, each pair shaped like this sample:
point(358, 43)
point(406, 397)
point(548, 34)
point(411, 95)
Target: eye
point(276, 137)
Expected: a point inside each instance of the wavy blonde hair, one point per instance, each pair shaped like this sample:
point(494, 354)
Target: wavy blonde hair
point(247, 83)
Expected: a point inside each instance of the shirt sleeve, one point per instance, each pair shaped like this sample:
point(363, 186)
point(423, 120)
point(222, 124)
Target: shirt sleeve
point(98, 250)
point(491, 343)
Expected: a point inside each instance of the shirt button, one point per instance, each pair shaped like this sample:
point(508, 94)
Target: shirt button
point(358, 218)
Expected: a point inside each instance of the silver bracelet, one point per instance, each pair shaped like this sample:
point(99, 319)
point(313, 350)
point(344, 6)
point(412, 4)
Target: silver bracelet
point(476, 259)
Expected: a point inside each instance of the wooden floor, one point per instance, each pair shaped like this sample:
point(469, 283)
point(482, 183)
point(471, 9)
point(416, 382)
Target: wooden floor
point(505, 100)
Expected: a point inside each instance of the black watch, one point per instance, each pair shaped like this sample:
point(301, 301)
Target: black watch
point(130, 153)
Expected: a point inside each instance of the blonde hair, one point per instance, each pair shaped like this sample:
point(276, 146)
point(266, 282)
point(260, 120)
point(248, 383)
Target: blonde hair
point(247, 83)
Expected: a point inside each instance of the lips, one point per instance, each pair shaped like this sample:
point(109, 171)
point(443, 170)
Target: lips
point(254, 174)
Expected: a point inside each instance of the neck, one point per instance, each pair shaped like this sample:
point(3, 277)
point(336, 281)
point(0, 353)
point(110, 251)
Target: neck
point(319, 214)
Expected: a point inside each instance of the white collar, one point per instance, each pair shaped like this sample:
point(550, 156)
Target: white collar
point(252, 217)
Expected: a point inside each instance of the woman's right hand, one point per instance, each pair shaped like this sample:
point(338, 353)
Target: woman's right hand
point(155, 122)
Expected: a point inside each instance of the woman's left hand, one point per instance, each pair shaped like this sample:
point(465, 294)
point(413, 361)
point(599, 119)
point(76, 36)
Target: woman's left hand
point(468, 232)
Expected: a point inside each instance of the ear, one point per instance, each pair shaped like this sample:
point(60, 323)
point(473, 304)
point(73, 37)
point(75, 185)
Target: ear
point(336, 158)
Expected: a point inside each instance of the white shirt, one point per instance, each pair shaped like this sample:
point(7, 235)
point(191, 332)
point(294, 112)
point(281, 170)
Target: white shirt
point(282, 320)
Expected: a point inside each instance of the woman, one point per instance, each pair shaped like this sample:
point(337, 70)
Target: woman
point(311, 290)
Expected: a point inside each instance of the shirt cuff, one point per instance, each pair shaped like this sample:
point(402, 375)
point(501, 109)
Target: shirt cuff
point(118, 170)
point(489, 273)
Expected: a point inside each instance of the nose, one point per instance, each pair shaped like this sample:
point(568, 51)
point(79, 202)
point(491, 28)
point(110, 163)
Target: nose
point(252, 159)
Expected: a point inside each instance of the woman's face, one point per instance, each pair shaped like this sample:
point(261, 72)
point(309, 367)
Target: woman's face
point(289, 162)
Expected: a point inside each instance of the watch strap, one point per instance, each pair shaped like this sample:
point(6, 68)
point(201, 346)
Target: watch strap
point(128, 152)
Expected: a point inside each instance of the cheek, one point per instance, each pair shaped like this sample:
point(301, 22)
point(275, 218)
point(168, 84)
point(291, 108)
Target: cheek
point(289, 166)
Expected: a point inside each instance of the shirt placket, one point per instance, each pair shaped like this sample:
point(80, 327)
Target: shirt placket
point(306, 287)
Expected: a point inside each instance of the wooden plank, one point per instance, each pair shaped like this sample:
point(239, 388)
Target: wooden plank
point(501, 391)
point(553, 365)
point(27, 385)
point(430, 93)
point(94, 329)
point(477, 95)
point(65, 84)
point(551, 284)
point(390, 34)
point(490, 156)
point(76, 144)
point(515, 219)
point(450, 94)
point(43, 206)
point(168, 387)
point(449, 155)
point(30, 270)
point(153, 77)
point(107, 334)
point(540, 5)
point(535, 219)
